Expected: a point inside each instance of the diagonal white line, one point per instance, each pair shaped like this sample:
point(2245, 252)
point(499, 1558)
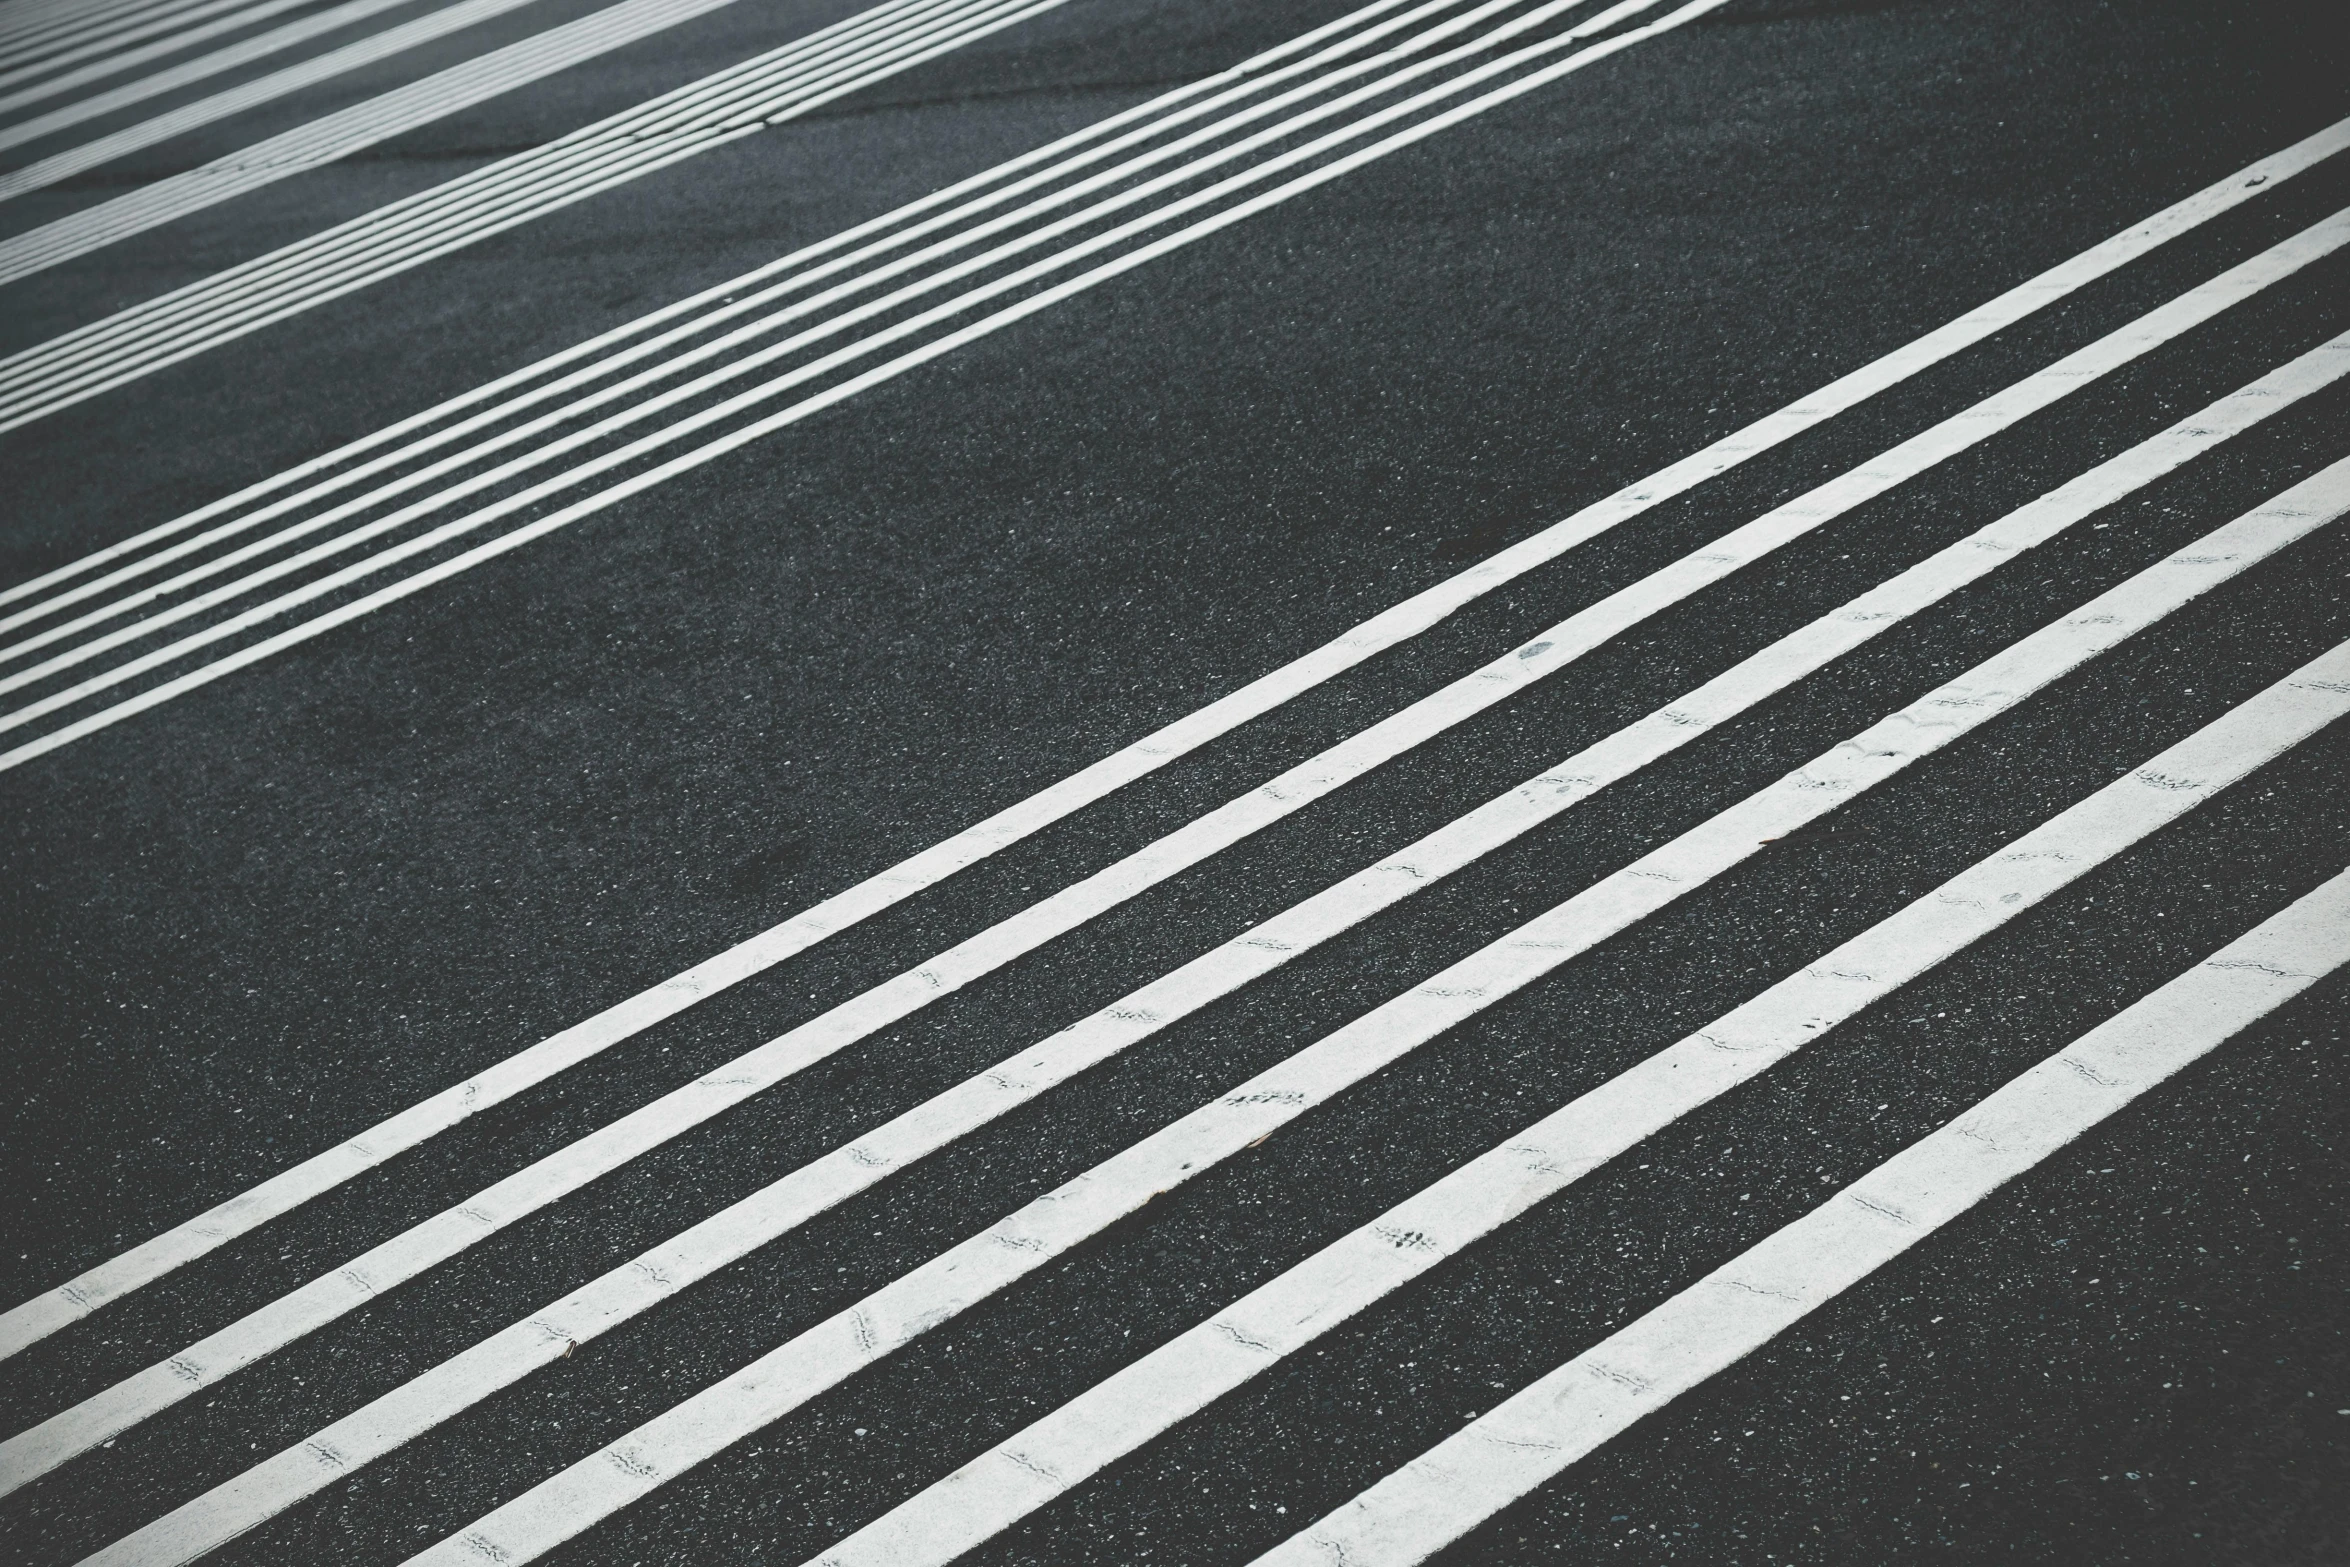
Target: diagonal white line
point(1149, 1397)
point(407, 233)
point(39, 38)
point(119, 59)
point(432, 1241)
point(871, 276)
point(235, 100)
point(193, 1238)
point(362, 125)
point(2013, 305)
point(825, 1355)
point(717, 295)
point(498, 1362)
point(1536, 1434)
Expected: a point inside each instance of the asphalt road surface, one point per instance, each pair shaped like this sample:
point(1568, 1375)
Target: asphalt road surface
point(1175, 781)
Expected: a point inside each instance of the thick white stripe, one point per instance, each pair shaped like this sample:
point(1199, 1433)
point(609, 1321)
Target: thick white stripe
point(44, 1314)
point(517, 433)
point(1169, 1385)
point(498, 1362)
point(1734, 1310)
point(407, 233)
point(427, 1244)
point(823, 1356)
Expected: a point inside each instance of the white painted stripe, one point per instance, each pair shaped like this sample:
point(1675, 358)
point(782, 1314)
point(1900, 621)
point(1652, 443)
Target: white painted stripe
point(557, 171)
point(31, 38)
point(235, 100)
point(119, 59)
point(407, 233)
point(2319, 240)
point(514, 433)
point(344, 132)
point(827, 1354)
point(500, 1361)
point(44, 1314)
point(2267, 174)
point(1184, 1376)
point(717, 295)
point(1537, 1433)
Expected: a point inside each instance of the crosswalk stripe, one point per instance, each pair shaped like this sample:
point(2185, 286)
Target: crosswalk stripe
point(35, 1319)
point(1537, 1433)
point(675, 1441)
point(434, 1240)
point(1152, 1395)
point(880, 270)
point(2319, 240)
point(344, 132)
point(38, 34)
point(500, 1361)
point(801, 375)
point(724, 296)
point(119, 59)
point(404, 234)
point(235, 100)
point(2213, 200)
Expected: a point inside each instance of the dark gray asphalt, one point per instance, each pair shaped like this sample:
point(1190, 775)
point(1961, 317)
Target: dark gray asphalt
point(261, 917)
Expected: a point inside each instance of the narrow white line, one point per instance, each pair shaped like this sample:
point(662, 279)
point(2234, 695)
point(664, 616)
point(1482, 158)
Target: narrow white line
point(556, 171)
point(342, 133)
point(2319, 240)
point(455, 1385)
point(35, 1319)
point(827, 1354)
point(414, 230)
point(38, 40)
point(872, 276)
point(365, 51)
point(2018, 302)
point(1537, 1433)
point(118, 59)
point(718, 294)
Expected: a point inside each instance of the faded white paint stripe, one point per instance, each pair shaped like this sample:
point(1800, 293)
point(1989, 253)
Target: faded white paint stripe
point(46, 1313)
point(1536, 1434)
point(827, 1354)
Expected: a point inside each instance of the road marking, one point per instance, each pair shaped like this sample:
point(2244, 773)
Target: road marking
point(118, 59)
point(514, 434)
point(825, 1355)
point(2014, 305)
point(35, 1319)
point(365, 51)
point(718, 294)
point(39, 37)
point(346, 131)
point(2319, 240)
point(1536, 1434)
point(498, 1362)
point(403, 234)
